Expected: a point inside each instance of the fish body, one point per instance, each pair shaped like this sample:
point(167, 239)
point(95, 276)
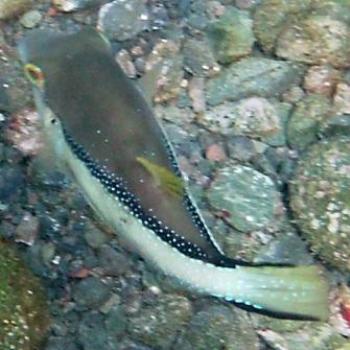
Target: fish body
point(102, 129)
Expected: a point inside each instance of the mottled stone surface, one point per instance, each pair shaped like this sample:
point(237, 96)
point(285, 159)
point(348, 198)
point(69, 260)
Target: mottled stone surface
point(322, 36)
point(157, 325)
point(121, 20)
point(231, 36)
point(306, 119)
point(252, 76)
point(320, 200)
point(249, 197)
point(11, 8)
point(271, 16)
point(23, 310)
point(219, 327)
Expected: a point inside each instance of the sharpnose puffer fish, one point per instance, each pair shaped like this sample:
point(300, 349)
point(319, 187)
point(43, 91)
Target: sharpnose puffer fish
point(100, 126)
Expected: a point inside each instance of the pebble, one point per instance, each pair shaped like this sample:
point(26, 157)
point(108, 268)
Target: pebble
point(73, 5)
point(321, 79)
point(271, 17)
point(124, 59)
point(90, 292)
point(219, 327)
point(112, 262)
point(320, 37)
point(23, 132)
point(196, 93)
point(31, 19)
point(199, 59)
point(306, 120)
point(158, 325)
point(341, 99)
point(215, 153)
point(249, 197)
point(27, 230)
point(251, 76)
point(231, 36)
point(319, 199)
point(122, 20)
point(94, 237)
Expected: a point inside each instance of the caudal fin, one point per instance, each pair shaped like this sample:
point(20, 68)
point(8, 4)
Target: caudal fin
point(299, 292)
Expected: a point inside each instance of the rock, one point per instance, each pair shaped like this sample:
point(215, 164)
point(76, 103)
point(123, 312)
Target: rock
point(249, 198)
point(241, 148)
point(112, 262)
point(23, 310)
point(199, 59)
point(116, 322)
point(318, 38)
point(15, 90)
point(94, 237)
point(11, 8)
point(219, 327)
point(122, 20)
point(166, 59)
point(304, 123)
point(27, 230)
point(158, 325)
point(92, 334)
point(124, 59)
point(320, 200)
point(73, 5)
point(271, 16)
point(215, 153)
point(341, 99)
point(338, 125)
point(254, 117)
point(252, 76)
point(287, 248)
point(11, 182)
point(246, 4)
point(231, 36)
point(90, 292)
point(196, 93)
point(293, 95)
point(321, 80)
point(31, 19)
point(24, 132)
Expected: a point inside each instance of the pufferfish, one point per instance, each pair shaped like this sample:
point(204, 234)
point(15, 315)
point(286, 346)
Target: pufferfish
point(102, 129)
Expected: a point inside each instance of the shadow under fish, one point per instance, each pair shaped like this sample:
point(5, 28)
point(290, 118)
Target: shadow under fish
point(102, 129)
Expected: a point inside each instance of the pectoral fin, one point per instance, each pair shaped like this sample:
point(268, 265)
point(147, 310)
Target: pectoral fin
point(171, 183)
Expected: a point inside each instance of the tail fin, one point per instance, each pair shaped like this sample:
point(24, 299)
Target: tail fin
point(298, 292)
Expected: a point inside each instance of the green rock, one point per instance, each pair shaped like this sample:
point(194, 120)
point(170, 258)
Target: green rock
point(217, 328)
point(231, 36)
point(199, 59)
point(249, 197)
point(271, 16)
point(23, 310)
point(322, 36)
point(158, 325)
point(252, 76)
point(11, 8)
point(320, 200)
point(31, 19)
point(305, 121)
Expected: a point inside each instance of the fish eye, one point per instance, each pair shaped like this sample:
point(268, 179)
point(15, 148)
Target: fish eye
point(34, 74)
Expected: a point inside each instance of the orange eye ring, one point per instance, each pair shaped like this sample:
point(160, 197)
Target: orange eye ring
point(34, 74)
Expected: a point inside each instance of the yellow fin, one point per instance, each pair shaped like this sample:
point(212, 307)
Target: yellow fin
point(167, 180)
